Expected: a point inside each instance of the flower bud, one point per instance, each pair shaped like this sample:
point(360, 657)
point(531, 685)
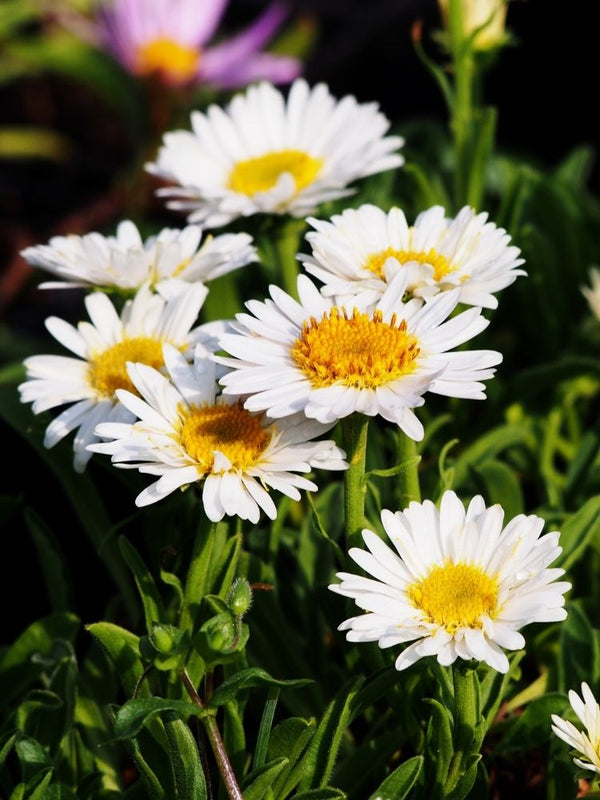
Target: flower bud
point(489, 15)
point(240, 597)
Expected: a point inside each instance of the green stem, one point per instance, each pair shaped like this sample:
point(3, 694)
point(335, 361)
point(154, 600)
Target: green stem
point(214, 737)
point(286, 242)
point(198, 570)
point(354, 442)
point(465, 714)
point(462, 116)
point(408, 480)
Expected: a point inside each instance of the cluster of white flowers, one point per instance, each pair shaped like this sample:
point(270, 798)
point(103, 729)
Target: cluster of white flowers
point(152, 389)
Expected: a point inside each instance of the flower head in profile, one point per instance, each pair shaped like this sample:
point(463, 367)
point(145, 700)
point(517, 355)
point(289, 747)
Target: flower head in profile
point(363, 249)
point(456, 583)
point(586, 743)
point(592, 292)
point(188, 433)
point(330, 361)
point(87, 384)
point(484, 21)
point(266, 154)
point(168, 262)
point(170, 39)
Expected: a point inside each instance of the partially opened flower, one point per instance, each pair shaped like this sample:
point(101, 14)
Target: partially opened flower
point(586, 743)
point(456, 584)
point(188, 433)
point(168, 262)
point(265, 154)
point(88, 383)
point(363, 249)
point(169, 38)
point(330, 361)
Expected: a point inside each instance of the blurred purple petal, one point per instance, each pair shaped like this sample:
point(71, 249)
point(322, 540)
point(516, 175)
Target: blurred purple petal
point(261, 66)
point(249, 41)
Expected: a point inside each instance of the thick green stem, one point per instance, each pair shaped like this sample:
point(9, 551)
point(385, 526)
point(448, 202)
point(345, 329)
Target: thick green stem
point(354, 442)
point(287, 242)
point(466, 717)
point(214, 737)
point(408, 480)
point(195, 584)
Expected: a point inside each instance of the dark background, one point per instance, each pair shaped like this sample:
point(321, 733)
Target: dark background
point(545, 87)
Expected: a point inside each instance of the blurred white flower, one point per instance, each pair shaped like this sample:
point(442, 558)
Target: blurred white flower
point(586, 743)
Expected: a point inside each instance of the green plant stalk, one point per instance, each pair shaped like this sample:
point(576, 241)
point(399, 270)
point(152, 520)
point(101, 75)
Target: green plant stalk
point(354, 441)
point(462, 112)
point(194, 583)
point(216, 742)
point(408, 480)
point(465, 713)
point(286, 242)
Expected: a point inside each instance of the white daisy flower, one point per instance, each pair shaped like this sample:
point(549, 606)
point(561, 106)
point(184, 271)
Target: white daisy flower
point(457, 584)
point(169, 261)
point(363, 249)
point(188, 433)
point(592, 292)
point(89, 382)
point(330, 361)
point(588, 743)
point(263, 154)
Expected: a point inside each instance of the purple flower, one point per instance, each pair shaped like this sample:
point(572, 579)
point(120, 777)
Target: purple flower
point(169, 38)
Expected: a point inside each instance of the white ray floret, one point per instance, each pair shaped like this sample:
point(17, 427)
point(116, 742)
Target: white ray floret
point(168, 261)
point(586, 743)
point(455, 584)
point(87, 384)
point(362, 250)
point(188, 433)
point(264, 153)
point(330, 361)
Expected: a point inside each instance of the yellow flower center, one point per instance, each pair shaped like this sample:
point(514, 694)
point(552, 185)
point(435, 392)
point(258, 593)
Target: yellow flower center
point(441, 265)
point(230, 429)
point(108, 370)
point(359, 350)
point(262, 173)
point(178, 62)
point(455, 596)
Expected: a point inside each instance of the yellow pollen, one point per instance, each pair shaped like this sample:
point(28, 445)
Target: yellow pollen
point(108, 370)
point(441, 265)
point(230, 429)
point(176, 61)
point(262, 173)
point(360, 350)
point(456, 596)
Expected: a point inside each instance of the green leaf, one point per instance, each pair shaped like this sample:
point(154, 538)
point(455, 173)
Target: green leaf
point(185, 758)
point(500, 484)
point(577, 532)
point(490, 445)
point(130, 718)
point(80, 489)
point(122, 648)
point(532, 728)
point(290, 739)
point(320, 757)
point(324, 793)
point(261, 779)
point(247, 678)
point(579, 655)
point(234, 737)
point(151, 600)
point(264, 730)
point(52, 562)
point(439, 740)
point(32, 757)
point(17, 667)
point(397, 785)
